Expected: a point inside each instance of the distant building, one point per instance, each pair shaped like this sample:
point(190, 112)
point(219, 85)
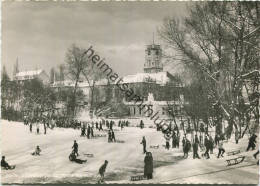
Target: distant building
point(29, 75)
point(159, 89)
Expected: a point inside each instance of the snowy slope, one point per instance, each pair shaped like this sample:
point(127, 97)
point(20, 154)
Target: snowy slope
point(125, 159)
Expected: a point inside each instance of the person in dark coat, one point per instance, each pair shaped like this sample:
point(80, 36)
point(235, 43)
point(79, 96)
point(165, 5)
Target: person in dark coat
point(88, 131)
point(251, 143)
point(75, 147)
point(111, 125)
point(4, 164)
point(221, 149)
point(211, 144)
point(113, 138)
point(100, 126)
point(102, 171)
point(83, 131)
point(144, 144)
point(30, 127)
point(207, 145)
point(196, 139)
point(195, 147)
point(92, 131)
point(187, 147)
point(174, 140)
point(148, 165)
point(97, 125)
point(217, 138)
point(109, 136)
point(141, 124)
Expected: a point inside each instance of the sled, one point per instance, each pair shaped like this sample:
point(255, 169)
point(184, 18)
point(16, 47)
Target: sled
point(89, 155)
point(12, 167)
point(233, 152)
point(235, 161)
point(137, 178)
point(100, 135)
point(154, 146)
point(120, 141)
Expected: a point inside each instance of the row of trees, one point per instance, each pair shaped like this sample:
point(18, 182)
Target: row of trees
point(218, 42)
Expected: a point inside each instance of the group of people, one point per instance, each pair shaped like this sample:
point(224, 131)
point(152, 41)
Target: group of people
point(90, 131)
point(111, 136)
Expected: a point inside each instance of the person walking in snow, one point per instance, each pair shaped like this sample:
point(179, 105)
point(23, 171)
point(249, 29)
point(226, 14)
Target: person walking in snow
point(38, 126)
point(207, 145)
point(141, 124)
point(113, 138)
point(144, 144)
point(221, 149)
point(195, 147)
point(251, 143)
point(211, 144)
point(109, 136)
point(88, 131)
point(102, 171)
point(217, 139)
point(186, 148)
point(92, 131)
point(75, 147)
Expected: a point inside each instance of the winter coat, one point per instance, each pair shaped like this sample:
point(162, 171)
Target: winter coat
point(148, 164)
point(195, 147)
point(102, 169)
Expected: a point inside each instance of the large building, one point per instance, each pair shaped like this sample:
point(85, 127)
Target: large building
point(159, 89)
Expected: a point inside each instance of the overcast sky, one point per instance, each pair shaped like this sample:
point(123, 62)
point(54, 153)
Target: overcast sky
point(39, 33)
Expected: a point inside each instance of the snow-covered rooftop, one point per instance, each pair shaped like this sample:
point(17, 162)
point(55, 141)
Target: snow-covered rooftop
point(29, 73)
point(159, 78)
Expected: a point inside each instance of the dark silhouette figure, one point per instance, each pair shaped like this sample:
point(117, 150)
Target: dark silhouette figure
point(251, 143)
point(4, 164)
point(102, 171)
point(148, 165)
point(144, 144)
point(75, 148)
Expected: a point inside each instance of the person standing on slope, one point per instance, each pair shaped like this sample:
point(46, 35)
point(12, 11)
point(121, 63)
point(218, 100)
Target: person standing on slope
point(102, 171)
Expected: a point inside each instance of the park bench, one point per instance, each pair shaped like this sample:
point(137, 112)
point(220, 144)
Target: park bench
point(233, 152)
point(120, 141)
point(137, 178)
point(235, 161)
point(89, 155)
point(154, 146)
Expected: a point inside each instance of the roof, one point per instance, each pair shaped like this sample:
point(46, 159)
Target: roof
point(159, 78)
point(29, 73)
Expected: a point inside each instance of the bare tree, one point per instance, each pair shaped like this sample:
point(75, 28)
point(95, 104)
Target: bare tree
point(75, 65)
point(213, 42)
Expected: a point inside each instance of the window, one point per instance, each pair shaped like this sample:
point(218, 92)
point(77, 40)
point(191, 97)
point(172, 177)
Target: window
point(134, 110)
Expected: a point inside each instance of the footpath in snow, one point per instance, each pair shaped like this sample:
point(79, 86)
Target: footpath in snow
point(125, 159)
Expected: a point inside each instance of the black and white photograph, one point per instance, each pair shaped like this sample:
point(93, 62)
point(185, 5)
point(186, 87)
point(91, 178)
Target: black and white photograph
point(130, 92)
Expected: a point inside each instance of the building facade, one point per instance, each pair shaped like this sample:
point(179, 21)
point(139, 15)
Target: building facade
point(159, 89)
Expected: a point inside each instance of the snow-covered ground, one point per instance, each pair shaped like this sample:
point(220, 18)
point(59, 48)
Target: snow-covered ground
point(125, 159)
